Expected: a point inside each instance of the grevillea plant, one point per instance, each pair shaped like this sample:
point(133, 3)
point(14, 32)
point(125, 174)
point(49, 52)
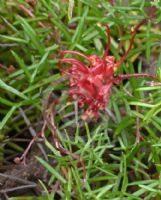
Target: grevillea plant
point(90, 84)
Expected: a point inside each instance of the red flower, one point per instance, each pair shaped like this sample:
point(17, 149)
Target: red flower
point(91, 84)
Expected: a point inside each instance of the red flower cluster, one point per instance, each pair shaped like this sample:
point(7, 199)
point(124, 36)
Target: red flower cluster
point(90, 84)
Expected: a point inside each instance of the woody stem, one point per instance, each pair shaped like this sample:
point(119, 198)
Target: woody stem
point(136, 75)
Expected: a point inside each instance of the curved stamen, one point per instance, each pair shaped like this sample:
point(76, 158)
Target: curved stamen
point(76, 53)
point(131, 42)
point(74, 61)
point(108, 39)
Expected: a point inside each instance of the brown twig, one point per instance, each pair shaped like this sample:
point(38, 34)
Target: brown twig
point(15, 178)
point(18, 188)
point(49, 107)
point(18, 175)
point(30, 13)
point(34, 135)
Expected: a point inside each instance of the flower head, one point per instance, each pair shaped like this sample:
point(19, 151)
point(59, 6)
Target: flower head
point(90, 84)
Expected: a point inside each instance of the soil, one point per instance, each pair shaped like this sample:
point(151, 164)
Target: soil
point(20, 179)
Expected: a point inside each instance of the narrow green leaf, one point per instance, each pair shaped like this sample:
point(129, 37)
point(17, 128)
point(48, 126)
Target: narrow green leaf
point(70, 9)
point(22, 65)
point(6, 102)
point(78, 32)
point(51, 147)
point(151, 113)
point(104, 190)
point(14, 39)
point(125, 122)
point(4, 86)
point(51, 169)
point(42, 82)
point(56, 21)
point(158, 87)
point(42, 61)
point(148, 188)
point(32, 35)
point(125, 176)
point(7, 117)
point(98, 44)
point(148, 42)
point(136, 103)
point(49, 196)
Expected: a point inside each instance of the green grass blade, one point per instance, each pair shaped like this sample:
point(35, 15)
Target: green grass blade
point(7, 117)
point(21, 63)
point(6, 87)
point(51, 169)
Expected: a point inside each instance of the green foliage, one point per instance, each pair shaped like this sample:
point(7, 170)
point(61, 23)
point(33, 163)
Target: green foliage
point(117, 166)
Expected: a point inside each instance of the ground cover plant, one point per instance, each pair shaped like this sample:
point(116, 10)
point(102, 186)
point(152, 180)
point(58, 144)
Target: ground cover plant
point(114, 155)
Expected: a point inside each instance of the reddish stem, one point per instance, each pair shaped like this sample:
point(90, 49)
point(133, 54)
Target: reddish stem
point(29, 12)
point(26, 10)
point(127, 76)
point(131, 42)
point(22, 159)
